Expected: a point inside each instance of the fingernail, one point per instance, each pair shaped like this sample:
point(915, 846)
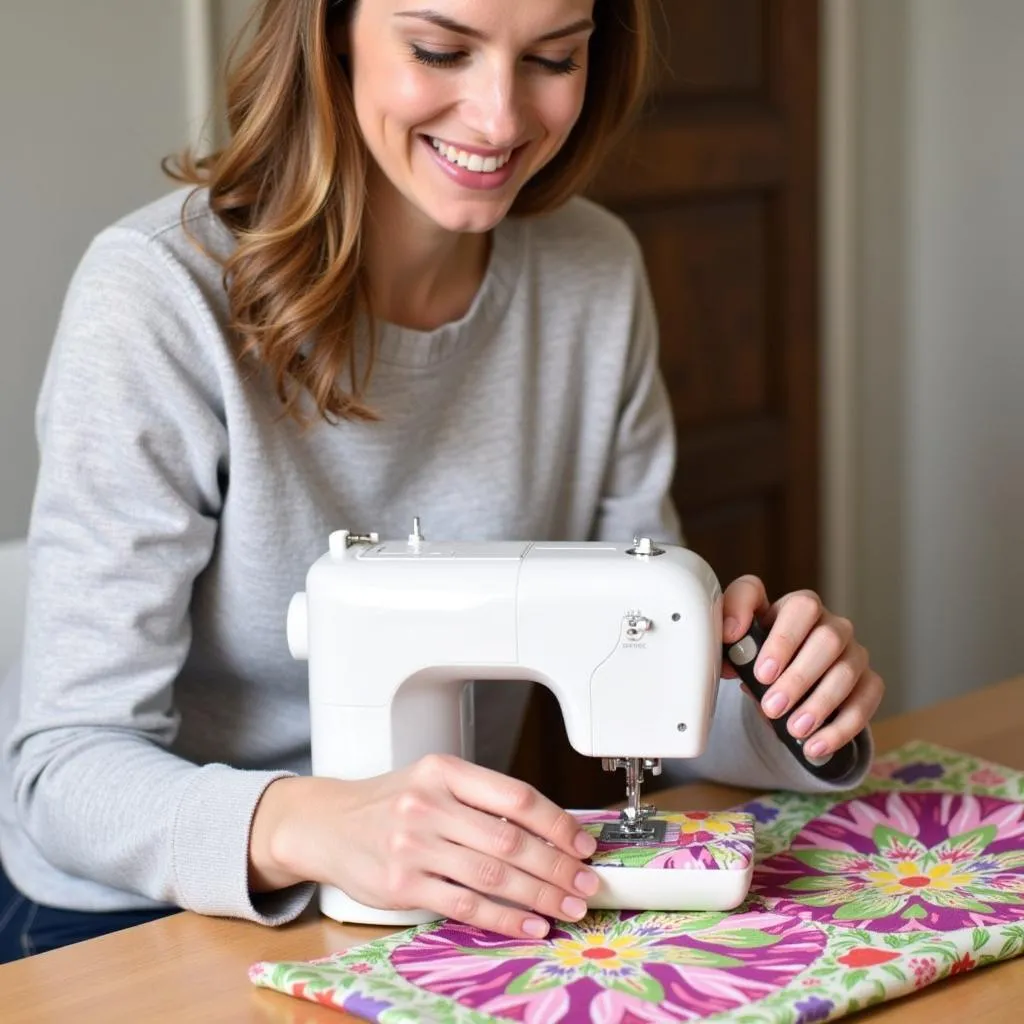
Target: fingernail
point(816, 748)
point(585, 844)
point(573, 908)
point(535, 927)
point(767, 670)
point(731, 628)
point(803, 725)
point(774, 704)
point(587, 882)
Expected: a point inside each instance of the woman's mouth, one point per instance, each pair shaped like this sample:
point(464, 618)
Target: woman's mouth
point(477, 162)
point(474, 169)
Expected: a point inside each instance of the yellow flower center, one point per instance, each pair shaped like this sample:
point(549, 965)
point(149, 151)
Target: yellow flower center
point(608, 952)
point(909, 875)
point(715, 825)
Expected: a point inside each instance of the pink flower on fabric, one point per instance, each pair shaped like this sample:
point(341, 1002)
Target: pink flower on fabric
point(924, 971)
point(891, 862)
point(986, 777)
point(615, 967)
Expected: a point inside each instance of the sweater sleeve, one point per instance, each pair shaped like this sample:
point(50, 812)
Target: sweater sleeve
point(743, 750)
point(133, 455)
point(638, 481)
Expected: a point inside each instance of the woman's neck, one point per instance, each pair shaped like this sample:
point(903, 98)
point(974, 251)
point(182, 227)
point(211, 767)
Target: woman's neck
point(420, 275)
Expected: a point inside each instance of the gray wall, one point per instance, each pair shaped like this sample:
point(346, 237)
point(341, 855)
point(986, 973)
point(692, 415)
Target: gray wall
point(940, 539)
point(91, 98)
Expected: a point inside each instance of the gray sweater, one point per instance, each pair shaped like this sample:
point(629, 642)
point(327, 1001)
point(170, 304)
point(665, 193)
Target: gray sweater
point(176, 513)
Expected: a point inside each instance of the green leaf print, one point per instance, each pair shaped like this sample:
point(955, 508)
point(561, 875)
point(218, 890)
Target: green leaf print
point(742, 938)
point(823, 899)
point(967, 844)
point(695, 921)
point(1010, 859)
point(635, 857)
point(958, 901)
point(896, 972)
point(832, 862)
point(683, 956)
point(914, 913)
point(817, 883)
point(640, 985)
point(978, 939)
point(536, 979)
point(868, 905)
point(892, 843)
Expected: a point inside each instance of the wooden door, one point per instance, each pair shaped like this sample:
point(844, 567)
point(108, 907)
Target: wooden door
point(719, 182)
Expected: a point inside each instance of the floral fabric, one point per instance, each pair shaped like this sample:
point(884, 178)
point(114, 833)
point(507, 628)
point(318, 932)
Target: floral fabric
point(856, 899)
point(694, 840)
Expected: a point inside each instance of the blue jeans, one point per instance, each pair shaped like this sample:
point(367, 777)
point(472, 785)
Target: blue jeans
point(27, 928)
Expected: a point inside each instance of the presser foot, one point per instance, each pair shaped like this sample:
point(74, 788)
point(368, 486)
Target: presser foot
point(645, 832)
point(636, 823)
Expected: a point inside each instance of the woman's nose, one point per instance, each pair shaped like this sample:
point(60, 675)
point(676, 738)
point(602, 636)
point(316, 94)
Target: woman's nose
point(496, 104)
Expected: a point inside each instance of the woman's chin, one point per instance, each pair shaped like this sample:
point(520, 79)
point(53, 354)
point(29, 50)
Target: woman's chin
point(470, 222)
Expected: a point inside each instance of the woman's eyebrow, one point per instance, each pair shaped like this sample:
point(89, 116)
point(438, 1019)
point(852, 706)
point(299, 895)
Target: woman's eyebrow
point(443, 21)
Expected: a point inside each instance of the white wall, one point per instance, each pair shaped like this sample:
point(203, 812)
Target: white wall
point(92, 96)
point(940, 539)
point(90, 100)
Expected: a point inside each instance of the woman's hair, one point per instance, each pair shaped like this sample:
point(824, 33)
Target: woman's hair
point(290, 186)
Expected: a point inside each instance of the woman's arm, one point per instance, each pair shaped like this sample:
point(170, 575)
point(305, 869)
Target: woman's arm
point(133, 449)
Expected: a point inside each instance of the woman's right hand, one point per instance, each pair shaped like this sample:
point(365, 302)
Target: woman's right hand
point(443, 835)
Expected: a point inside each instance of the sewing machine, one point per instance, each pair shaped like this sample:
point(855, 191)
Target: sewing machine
point(626, 636)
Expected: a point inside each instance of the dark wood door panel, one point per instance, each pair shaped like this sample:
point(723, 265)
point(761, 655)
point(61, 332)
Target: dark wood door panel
point(707, 265)
point(710, 48)
point(705, 152)
point(733, 537)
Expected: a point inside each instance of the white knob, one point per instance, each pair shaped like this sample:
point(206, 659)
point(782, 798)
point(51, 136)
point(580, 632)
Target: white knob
point(298, 626)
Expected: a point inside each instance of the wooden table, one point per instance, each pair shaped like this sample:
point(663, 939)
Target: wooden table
point(191, 968)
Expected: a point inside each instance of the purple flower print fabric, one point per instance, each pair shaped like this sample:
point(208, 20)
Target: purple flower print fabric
point(916, 876)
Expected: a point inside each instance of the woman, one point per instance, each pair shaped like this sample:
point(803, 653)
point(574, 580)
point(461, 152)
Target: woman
point(380, 300)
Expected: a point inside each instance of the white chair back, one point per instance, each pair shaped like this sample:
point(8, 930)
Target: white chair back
point(13, 579)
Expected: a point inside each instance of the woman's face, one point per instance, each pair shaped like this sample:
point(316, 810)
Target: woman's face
point(461, 102)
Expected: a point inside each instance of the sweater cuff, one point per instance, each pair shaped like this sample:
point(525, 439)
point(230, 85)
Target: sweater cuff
point(211, 849)
point(786, 772)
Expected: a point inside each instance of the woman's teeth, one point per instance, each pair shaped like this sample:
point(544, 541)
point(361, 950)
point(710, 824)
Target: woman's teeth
point(471, 161)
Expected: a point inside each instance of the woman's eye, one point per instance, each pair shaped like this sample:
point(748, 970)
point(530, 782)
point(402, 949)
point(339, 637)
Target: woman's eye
point(557, 67)
point(436, 58)
point(449, 58)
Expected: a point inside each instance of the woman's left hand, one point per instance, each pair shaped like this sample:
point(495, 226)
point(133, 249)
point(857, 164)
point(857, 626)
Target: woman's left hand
point(806, 645)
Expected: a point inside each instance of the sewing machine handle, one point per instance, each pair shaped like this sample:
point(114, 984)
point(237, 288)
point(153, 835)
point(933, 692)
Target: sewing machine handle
point(741, 655)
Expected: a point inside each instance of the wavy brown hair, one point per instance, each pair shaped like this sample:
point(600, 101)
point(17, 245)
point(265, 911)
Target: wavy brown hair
point(290, 186)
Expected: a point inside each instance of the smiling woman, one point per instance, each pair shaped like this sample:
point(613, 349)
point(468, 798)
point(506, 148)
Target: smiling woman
point(438, 122)
point(381, 298)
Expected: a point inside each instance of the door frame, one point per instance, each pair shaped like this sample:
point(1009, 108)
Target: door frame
point(840, 111)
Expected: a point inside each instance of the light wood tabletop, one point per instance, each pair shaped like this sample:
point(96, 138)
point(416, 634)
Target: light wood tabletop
point(190, 968)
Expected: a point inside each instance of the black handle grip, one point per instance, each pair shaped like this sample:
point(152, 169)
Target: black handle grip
point(741, 655)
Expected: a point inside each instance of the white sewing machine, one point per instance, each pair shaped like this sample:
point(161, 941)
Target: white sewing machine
point(627, 637)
